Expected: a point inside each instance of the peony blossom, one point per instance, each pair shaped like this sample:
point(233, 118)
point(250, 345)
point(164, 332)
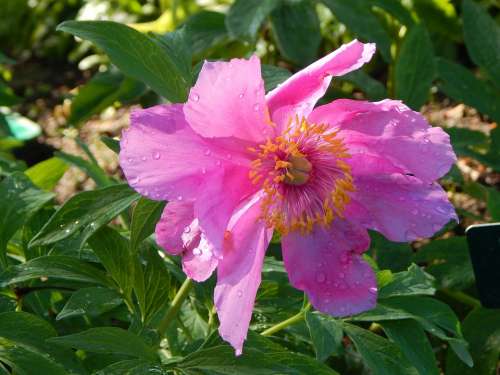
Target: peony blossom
point(235, 164)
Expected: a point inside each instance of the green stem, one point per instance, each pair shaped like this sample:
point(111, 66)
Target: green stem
point(286, 323)
point(179, 298)
point(462, 297)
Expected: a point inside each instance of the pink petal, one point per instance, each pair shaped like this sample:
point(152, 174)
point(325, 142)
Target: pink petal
point(218, 199)
point(164, 159)
point(393, 131)
point(178, 233)
point(228, 101)
point(402, 208)
point(198, 261)
point(299, 93)
point(239, 273)
point(327, 265)
point(176, 217)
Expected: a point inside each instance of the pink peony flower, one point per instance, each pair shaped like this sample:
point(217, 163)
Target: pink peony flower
point(236, 164)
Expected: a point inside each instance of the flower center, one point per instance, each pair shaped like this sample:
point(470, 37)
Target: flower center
point(298, 170)
point(304, 176)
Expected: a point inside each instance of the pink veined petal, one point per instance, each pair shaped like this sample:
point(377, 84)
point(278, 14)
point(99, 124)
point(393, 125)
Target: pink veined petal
point(239, 273)
point(228, 101)
point(403, 208)
point(175, 218)
point(178, 233)
point(164, 159)
point(327, 265)
point(218, 199)
point(299, 93)
point(393, 131)
point(198, 260)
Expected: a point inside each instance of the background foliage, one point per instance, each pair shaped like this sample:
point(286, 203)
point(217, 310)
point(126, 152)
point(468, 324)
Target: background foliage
point(83, 286)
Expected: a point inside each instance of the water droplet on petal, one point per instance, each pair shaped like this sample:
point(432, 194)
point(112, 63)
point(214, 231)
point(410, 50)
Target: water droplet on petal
point(239, 293)
point(256, 107)
point(373, 290)
point(414, 211)
point(218, 163)
point(195, 97)
point(203, 170)
point(179, 198)
point(229, 156)
point(143, 158)
point(156, 155)
point(320, 278)
point(187, 229)
point(207, 152)
point(241, 95)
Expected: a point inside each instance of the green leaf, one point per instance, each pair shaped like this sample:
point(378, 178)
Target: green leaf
point(112, 249)
point(133, 367)
point(326, 334)
point(107, 340)
point(460, 84)
point(301, 45)
point(47, 173)
point(57, 267)
point(482, 331)
point(411, 282)
point(351, 12)
point(102, 91)
point(440, 18)
point(382, 356)
point(23, 346)
point(494, 204)
point(413, 342)
point(206, 30)
point(152, 283)
point(373, 89)
point(144, 218)
point(85, 213)
point(390, 255)
point(246, 16)
point(273, 76)
point(7, 96)
point(92, 301)
point(260, 356)
point(396, 9)
point(136, 55)
point(415, 68)
point(178, 45)
point(482, 38)
point(448, 261)
point(20, 199)
point(113, 144)
point(90, 168)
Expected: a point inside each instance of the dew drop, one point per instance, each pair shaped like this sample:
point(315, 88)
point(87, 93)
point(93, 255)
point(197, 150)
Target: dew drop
point(156, 155)
point(414, 211)
point(320, 278)
point(239, 293)
point(207, 152)
point(229, 156)
point(218, 163)
point(179, 198)
point(195, 97)
point(373, 290)
point(143, 158)
point(256, 107)
point(203, 171)
point(187, 229)
point(130, 160)
point(241, 95)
